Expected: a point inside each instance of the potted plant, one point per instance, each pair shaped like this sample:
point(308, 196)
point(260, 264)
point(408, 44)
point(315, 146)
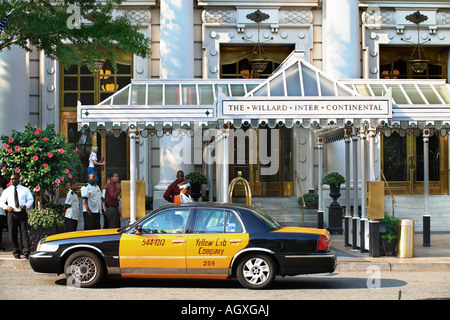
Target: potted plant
point(334, 180)
point(45, 221)
point(390, 236)
point(196, 179)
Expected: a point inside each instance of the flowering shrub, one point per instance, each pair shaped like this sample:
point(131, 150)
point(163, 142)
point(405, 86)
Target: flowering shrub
point(42, 158)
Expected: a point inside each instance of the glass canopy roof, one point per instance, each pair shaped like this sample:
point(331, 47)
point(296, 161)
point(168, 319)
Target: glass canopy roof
point(298, 78)
point(404, 91)
point(165, 92)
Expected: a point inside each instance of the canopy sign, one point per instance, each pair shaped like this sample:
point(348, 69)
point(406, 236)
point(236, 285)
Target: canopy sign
point(305, 107)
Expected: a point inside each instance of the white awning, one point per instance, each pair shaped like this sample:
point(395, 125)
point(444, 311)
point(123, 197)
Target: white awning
point(416, 103)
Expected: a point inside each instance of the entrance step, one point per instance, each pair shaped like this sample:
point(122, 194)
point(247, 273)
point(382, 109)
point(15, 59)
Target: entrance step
point(285, 210)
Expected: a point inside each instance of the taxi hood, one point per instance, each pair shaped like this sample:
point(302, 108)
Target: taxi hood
point(80, 234)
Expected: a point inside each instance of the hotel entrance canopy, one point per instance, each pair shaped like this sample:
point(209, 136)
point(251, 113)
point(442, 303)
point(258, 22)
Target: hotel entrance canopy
point(297, 93)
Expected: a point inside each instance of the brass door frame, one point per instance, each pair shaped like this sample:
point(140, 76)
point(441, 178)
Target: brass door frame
point(411, 186)
point(260, 188)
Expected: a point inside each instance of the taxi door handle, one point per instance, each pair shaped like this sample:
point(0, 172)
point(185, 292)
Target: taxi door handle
point(178, 241)
point(235, 241)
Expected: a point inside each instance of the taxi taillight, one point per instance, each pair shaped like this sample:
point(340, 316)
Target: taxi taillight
point(323, 244)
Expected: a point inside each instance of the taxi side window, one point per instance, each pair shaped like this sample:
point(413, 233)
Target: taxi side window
point(169, 221)
point(217, 221)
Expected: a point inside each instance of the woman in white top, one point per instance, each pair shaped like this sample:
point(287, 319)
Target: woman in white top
point(185, 189)
point(93, 161)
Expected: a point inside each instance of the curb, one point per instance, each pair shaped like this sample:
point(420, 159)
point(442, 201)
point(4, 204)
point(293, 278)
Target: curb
point(344, 266)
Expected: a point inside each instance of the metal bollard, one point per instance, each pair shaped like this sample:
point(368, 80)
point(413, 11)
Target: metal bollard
point(406, 238)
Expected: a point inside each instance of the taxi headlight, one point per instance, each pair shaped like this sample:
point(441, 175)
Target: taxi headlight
point(47, 247)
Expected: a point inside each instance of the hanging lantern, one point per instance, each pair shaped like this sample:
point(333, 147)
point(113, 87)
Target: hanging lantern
point(418, 61)
point(258, 60)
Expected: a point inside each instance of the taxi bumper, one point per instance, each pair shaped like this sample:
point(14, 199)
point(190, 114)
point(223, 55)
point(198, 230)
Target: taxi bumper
point(292, 265)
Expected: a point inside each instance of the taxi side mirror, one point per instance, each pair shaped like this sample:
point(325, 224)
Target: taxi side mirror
point(138, 230)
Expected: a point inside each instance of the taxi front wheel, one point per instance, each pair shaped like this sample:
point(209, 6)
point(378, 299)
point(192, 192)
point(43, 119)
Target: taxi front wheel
point(84, 269)
point(256, 271)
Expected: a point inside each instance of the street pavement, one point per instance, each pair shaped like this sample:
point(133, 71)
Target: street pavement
point(433, 258)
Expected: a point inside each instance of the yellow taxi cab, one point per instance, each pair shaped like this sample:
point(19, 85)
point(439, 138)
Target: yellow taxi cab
point(195, 240)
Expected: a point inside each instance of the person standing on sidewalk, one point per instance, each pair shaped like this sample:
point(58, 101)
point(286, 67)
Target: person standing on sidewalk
point(71, 208)
point(92, 203)
point(16, 200)
point(2, 212)
point(173, 189)
point(112, 201)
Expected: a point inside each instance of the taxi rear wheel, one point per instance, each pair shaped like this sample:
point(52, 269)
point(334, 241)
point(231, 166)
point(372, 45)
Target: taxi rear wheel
point(256, 271)
point(84, 269)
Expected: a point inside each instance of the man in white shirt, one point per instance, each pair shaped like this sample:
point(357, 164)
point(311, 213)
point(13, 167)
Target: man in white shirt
point(92, 203)
point(16, 200)
point(71, 208)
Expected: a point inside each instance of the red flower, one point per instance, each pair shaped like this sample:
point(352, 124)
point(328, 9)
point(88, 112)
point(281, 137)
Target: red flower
point(61, 150)
point(36, 132)
point(35, 158)
point(10, 140)
point(6, 146)
point(4, 169)
point(16, 148)
point(37, 188)
point(58, 181)
point(17, 170)
point(45, 138)
point(67, 170)
point(45, 165)
point(9, 150)
point(70, 175)
point(49, 155)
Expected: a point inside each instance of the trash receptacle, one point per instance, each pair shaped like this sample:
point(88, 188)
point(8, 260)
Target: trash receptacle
point(406, 238)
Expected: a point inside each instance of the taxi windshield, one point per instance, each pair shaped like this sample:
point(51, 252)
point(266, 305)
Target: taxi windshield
point(268, 221)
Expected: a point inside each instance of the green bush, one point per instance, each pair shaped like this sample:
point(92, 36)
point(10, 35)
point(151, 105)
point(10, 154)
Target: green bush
point(333, 178)
point(391, 227)
point(196, 177)
point(311, 200)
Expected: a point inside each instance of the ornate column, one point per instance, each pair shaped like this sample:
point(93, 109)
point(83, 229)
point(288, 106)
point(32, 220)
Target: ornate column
point(319, 180)
point(176, 62)
point(132, 136)
point(364, 226)
point(426, 180)
point(15, 90)
point(355, 220)
point(348, 214)
point(341, 34)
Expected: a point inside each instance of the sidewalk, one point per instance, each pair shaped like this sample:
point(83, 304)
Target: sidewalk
point(433, 258)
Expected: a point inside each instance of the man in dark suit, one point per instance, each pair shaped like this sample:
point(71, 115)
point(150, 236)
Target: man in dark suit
point(173, 189)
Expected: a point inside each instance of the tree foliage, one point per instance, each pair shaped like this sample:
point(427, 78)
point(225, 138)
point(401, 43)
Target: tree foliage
point(71, 31)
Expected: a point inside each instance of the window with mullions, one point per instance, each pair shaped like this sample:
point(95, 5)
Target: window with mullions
point(234, 61)
point(394, 63)
point(78, 83)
